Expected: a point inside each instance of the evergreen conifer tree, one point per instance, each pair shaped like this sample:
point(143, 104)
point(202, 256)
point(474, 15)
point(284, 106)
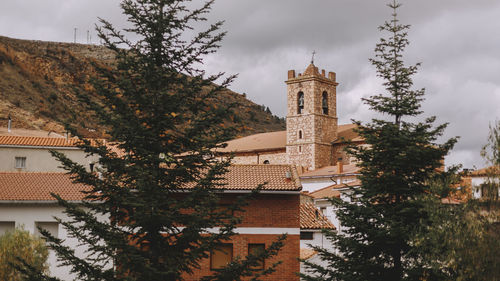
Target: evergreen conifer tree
point(138, 222)
point(386, 213)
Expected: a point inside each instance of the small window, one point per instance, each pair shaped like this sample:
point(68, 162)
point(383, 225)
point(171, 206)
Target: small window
point(300, 148)
point(221, 256)
point(6, 226)
point(300, 103)
point(306, 235)
point(257, 249)
point(51, 227)
point(20, 162)
point(300, 134)
point(324, 103)
point(266, 162)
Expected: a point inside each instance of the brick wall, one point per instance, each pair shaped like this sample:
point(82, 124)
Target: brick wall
point(288, 256)
point(266, 211)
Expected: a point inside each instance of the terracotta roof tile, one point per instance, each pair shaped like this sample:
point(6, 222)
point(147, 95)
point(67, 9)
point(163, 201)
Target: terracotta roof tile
point(277, 140)
point(248, 177)
point(485, 171)
point(306, 253)
point(332, 190)
point(346, 132)
point(312, 218)
point(44, 141)
point(263, 141)
point(17, 186)
point(38, 141)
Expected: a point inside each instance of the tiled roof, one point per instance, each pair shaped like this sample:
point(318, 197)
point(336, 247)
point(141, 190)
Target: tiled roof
point(485, 171)
point(17, 186)
point(312, 218)
point(277, 140)
point(331, 170)
point(306, 253)
point(38, 141)
point(346, 132)
point(332, 190)
point(44, 141)
point(263, 141)
point(248, 177)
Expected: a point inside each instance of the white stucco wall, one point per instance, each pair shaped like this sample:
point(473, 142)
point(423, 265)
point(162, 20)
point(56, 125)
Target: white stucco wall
point(26, 215)
point(39, 159)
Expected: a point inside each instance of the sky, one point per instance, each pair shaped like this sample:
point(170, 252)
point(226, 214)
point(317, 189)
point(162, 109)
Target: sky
point(457, 42)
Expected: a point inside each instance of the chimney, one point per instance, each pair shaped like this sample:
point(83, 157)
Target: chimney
point(9, 126)
point(288, 175)
point(340, 167)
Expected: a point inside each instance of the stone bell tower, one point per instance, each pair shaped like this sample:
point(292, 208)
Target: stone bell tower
point(311, 121)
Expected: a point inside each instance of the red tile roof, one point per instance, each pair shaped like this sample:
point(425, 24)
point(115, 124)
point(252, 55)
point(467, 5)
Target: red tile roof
point(332, 190)
point(248, 177)
point(312, 218)
point(485, 171)
point(277, 140)
point(257, 142)
point(15, 186)
point(307, 253)
point(38, 141)
point(331, 170)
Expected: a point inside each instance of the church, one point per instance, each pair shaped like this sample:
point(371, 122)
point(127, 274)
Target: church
point(313, 141)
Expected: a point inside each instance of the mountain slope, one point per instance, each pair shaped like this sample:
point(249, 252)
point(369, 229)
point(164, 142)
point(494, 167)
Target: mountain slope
point(39, 81)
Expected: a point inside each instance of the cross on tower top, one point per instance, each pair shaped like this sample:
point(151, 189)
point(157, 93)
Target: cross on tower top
point(312, 58)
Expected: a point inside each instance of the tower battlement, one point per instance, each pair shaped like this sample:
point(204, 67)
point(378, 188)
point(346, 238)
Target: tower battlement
point(313, 71)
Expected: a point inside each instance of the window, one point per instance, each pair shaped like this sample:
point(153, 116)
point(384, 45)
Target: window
point(300, 134)
point(221, 256)
point(20, 162)
point(300, 148)
point(7, 226)
point(306, 235)
point(324, 103)
point(51, 227)
point(300, 103)
point(266, 161)
point(257, 249)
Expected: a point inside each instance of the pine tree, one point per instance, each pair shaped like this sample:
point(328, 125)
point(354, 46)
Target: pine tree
point(137, 221)
point(380, 225)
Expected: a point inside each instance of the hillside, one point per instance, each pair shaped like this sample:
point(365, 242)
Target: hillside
point(39, 81)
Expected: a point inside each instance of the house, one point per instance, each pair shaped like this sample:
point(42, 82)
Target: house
point(25, 201)
point(274, 211)
point(312, 223)
point(29, 151)
point(480, 177)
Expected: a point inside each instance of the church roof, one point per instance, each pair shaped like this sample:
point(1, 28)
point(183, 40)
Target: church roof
point(277, 140)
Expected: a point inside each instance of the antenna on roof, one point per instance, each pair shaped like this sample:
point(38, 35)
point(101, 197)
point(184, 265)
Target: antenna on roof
point(9, 126)
point(74, 40)
point(312, 59)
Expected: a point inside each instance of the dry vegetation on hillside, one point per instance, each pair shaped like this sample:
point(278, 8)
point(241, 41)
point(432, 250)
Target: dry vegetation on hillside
point(39, 82)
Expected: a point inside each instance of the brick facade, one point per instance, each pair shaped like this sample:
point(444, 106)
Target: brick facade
point(266, 211)
point(289, 254)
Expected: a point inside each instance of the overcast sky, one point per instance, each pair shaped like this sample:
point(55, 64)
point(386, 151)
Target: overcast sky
point(457, 41)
